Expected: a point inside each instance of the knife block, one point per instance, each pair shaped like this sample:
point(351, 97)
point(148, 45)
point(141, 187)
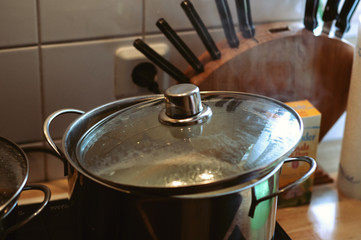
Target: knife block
point(286, 62)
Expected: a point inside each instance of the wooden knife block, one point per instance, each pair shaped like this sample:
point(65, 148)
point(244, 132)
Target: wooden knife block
point(286, 62)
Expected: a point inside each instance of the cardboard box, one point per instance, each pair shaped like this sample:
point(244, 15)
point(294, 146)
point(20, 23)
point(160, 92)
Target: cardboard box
point(290, 172)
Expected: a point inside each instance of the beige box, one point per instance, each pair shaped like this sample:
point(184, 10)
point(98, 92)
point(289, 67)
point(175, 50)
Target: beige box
point(290, 172)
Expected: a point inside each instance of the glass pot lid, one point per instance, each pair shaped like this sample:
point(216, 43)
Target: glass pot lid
point(188, 139)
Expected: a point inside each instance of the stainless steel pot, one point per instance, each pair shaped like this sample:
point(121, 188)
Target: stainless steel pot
point(189, 169)
point(14, 171)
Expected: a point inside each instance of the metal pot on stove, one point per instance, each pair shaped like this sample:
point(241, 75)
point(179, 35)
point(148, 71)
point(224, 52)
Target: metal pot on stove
point(14, 171)
point(186, 165)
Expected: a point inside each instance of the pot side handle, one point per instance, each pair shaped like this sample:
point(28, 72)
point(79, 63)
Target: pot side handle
point(310, 171)
point(308, 174)
point(312, 168)
point(47, 195)
point(46, 128)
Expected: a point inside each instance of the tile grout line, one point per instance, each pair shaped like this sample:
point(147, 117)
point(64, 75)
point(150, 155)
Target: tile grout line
point(74, 41)
point(143, 20)
point(41, 78)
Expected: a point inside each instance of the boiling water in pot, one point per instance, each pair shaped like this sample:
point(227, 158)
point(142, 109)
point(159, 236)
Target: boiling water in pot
point(177, 163)
point(186, 169)
point(155, 158)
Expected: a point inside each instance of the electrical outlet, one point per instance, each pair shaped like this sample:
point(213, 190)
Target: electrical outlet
point(126, 59)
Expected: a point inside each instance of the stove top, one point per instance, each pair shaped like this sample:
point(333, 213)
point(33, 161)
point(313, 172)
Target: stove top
point(53, 223)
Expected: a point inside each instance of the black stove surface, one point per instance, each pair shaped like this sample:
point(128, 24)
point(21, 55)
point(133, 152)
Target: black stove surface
point(53, 223)
point(280, 234)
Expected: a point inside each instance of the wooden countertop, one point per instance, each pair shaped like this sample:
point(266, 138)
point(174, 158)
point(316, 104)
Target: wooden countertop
point(329, 216)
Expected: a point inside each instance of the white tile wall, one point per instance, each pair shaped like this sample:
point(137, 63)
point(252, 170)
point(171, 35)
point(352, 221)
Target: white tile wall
point(83, 19)
point(60, 54)
point(79, 75)
point(20, 96)
point(277, 10)
point(18, 24)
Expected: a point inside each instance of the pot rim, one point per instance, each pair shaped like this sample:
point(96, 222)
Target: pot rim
point(101, 112)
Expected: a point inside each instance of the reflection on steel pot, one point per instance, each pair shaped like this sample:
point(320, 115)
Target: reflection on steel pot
point(188, 165)
point(14, 170)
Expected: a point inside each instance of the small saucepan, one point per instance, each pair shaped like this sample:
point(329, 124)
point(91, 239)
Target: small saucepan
point(14, 171)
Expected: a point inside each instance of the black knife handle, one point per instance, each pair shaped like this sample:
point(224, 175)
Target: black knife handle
point(344, 18)
point(245, 18)
point(331, 10)
point(178, 43)
point(227, 23)
point(310, 19)
point(201, 29)
point(160, 61)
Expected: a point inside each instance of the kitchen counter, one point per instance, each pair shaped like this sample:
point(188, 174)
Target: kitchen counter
point(329, 215)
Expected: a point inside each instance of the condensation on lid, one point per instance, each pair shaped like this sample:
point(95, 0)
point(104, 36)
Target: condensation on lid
point(245, 133)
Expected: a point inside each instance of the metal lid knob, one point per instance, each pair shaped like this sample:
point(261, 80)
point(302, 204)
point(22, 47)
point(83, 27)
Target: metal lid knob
point(183, 106)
